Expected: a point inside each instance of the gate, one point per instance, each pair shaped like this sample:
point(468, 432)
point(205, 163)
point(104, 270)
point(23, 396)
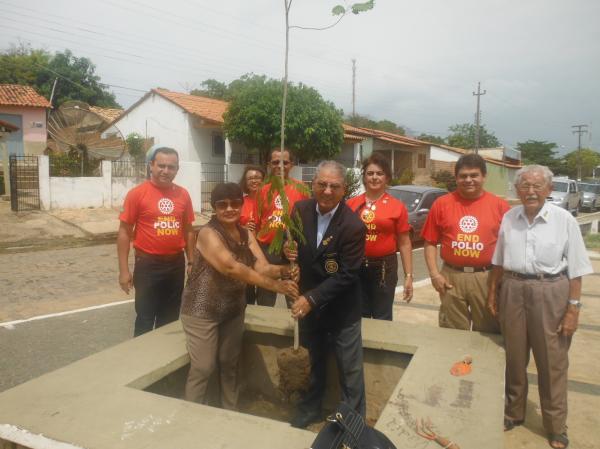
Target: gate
point(212, 174)
point(24, 183)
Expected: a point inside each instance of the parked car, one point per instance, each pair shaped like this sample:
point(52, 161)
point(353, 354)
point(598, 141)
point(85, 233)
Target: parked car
point(418, 200)
point(565, 194)
point(591, 195)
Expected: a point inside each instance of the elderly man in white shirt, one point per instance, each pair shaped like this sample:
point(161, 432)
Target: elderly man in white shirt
point(538, 263)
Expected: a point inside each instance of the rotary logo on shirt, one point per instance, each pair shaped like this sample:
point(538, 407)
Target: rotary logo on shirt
point(166, 224)
point(467, 244)
point(368, 216)
point(275, 218)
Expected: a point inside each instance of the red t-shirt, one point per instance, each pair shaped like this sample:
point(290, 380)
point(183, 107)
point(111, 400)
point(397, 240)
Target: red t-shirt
point(159, 216)
point(384, 220)
point(466, 229)
point(270, 214)
point(248, 212)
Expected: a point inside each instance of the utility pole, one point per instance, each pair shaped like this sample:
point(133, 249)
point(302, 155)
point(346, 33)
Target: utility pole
point(579, 131)
point(478, 116)
point(353, 88)
point(53, 88)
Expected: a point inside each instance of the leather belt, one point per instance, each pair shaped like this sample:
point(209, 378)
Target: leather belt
point(468, 269)
point(531, 276)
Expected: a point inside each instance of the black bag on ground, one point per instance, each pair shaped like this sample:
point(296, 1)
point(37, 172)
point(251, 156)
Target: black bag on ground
point(346, 429)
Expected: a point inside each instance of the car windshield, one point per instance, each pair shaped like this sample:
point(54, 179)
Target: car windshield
point(560, 186)
point(593, 188)
point(410, 199)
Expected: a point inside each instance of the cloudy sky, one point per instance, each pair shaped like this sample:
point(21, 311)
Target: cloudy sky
point(418, 62)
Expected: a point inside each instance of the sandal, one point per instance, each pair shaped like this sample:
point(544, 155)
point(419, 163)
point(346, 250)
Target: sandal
point(560, 438)
point(510, 424)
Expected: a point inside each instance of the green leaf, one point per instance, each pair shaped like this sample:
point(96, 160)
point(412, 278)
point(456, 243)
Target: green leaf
point(338, 10)
point(357, 8)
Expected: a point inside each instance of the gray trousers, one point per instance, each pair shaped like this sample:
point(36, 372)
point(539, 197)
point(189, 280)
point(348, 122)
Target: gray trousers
point(211, 345)
point(530, 311)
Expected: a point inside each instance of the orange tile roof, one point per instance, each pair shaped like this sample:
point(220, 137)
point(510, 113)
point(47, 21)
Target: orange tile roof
point(108, 114)
point(18, 95)
point(384, 135)
point(206, 108)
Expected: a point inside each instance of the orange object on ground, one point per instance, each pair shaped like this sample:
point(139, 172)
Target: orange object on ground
point(463, 367)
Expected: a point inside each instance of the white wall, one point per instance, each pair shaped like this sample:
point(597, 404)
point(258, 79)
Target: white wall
point(76, 193)
point(159, 118)
point(201, 145)
point(190, 177)
point(440, 154)
point(119, 188)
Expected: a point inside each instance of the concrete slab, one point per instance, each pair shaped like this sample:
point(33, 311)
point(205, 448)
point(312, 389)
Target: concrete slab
point(97, 402)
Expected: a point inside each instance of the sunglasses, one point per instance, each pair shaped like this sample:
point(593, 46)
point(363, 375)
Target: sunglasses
point(275, 163)
point(222, 205)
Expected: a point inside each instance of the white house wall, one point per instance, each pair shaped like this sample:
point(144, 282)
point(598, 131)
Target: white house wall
point(166, 122)
point(201, 149)
point(440, 154)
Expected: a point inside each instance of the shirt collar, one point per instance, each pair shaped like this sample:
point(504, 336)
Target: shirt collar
point(543, 214)
point(328, 214)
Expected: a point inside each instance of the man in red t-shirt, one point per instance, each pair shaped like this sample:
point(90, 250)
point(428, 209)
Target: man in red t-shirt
point(465, 223)
point(157, 215)
point(269, 214)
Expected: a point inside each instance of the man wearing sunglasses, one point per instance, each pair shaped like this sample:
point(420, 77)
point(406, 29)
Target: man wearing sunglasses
point(157, 216)
point(270, 212)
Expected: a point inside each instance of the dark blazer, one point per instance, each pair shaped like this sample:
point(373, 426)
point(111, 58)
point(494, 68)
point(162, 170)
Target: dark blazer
point(329, 273)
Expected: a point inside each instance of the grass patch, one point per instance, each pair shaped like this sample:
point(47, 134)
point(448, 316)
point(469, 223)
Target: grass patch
point(592, 241)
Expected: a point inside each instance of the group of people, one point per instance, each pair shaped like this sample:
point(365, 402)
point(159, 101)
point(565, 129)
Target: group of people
point(515, 271)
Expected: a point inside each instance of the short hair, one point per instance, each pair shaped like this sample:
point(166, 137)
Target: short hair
point(246, 170)
point(470, 160)
point(226, 191)
point(545, 171)
point(381, 161)
point(331, 165)
point(153, 151)
point(278, 149)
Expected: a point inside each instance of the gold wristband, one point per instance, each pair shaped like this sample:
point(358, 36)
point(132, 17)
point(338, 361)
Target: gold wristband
point(408, 275)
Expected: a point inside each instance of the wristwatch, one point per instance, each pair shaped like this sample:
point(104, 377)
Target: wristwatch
point(575, 302)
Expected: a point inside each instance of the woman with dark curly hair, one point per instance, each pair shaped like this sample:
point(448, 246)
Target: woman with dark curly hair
point(386, 219)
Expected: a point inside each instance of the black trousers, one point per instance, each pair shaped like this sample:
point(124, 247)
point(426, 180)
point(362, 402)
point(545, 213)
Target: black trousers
point(158, 283)
point(347, 346)
point(378, 280)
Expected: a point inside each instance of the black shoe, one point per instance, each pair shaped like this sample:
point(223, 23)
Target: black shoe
point(302, 420)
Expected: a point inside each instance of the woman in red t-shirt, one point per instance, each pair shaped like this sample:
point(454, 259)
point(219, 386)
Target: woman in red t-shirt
point(388, 230)
point(252, 179)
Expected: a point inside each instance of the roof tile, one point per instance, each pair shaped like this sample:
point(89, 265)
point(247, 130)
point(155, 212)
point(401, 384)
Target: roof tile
point(206, 108)
point(18, 95)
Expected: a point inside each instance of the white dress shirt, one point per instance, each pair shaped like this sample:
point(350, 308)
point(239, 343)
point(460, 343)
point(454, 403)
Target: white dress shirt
point(549, 245)
point(323, 221)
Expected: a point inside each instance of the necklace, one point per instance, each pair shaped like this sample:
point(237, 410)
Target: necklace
point(370, 204)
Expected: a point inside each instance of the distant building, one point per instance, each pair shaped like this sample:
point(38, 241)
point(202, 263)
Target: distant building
point(24, 108)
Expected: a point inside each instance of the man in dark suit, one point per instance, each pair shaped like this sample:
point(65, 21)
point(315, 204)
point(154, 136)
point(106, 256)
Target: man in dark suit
point(329, 308)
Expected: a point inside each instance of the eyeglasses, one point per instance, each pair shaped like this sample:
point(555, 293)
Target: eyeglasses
point(525, 187)
point(275, 163)
point(223, 205)
point(323, 185)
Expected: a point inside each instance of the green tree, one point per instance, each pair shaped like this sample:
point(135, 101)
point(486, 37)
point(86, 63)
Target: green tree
point(463, 136)
point(431, 138)
point(313, 125)
point(76, 76)
point(363, 121)
point(537, 152)
point(589, 159)
point(213, 89)
point(135, 146)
